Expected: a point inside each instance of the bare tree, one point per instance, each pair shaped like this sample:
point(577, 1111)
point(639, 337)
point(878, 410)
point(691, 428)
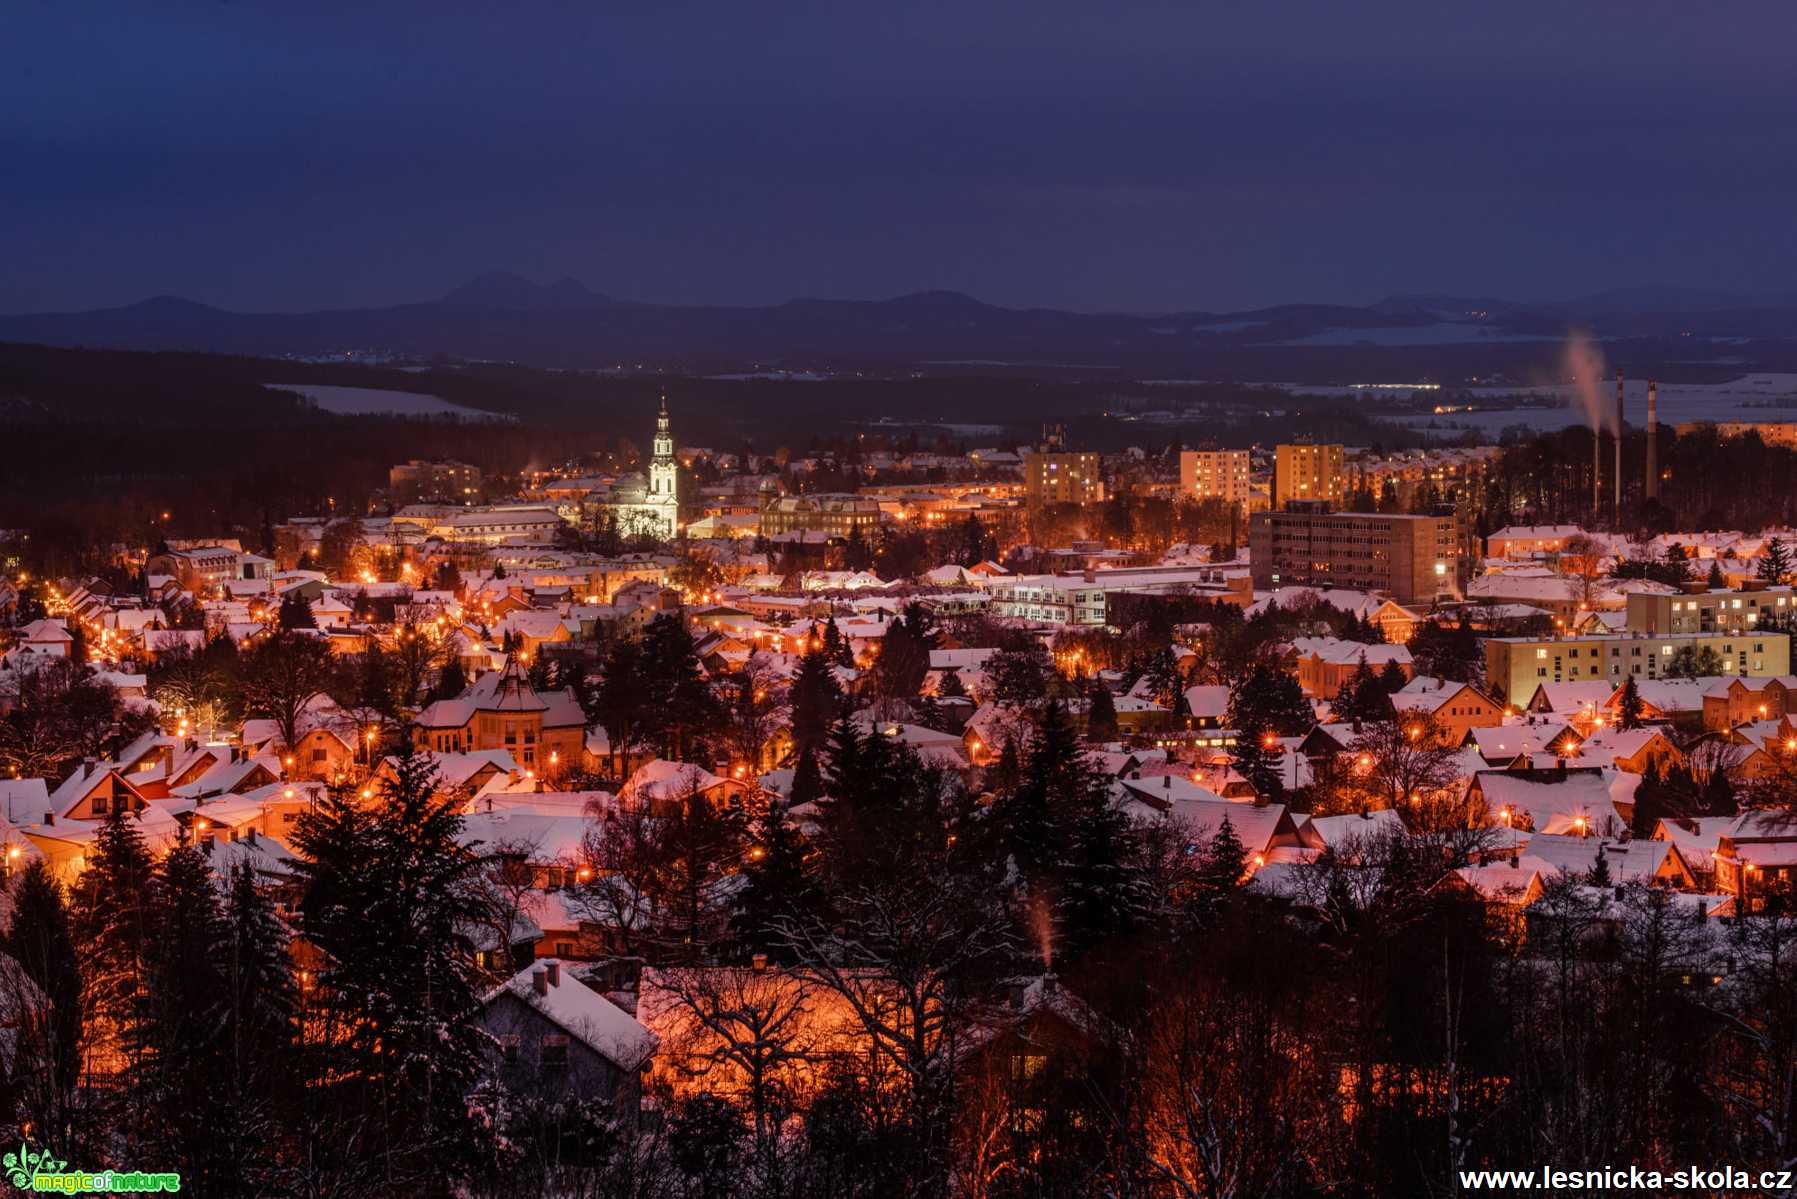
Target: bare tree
point(658, 871)
point(756, 705)
point(746, 1034)
point(1581, 559)
point(282, 675)
point(900, 952)
point(1405, 762)
point(421, 647)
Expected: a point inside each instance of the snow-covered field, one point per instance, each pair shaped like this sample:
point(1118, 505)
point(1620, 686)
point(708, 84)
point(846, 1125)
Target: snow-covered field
point(374, 401)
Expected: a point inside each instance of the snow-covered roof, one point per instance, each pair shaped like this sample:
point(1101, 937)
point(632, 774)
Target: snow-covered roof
point(1348, 653)
point(1628, 861)
point(659, 778)
point(583, 1014)
point(1572, 697)
point(1553, 804)
point(1426, 694)
point(1337, 832)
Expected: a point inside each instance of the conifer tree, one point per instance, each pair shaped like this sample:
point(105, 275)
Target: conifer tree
point(452, 680)
point(296, 612)
point(1775, 562)
point(1052, 773)
point(857, 555)
point(774, 882)
point(1715, 581)
point(1253, 759)
point(836, 646)
point(1162, 672)
point(1003, 775)
point(1628, 705)
point(181, 1071)
point(255, 1031)
point(618, 702)
point(1073, 852)
point(815, 700)
point(1650, 803)
point(1225, 860)
point(1599, 874)
point(114, 912)
point(807, 779)
point(390, 904)
point(39, 938)
point(1361, 694)
point(1269, 696)
point(679, 708)
point(1101, 714)
point(904, 656)
point(1101, 886)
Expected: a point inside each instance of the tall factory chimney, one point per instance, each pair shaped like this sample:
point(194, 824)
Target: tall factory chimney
point(1597, 467)
point(1652, 481)
point(1617, 515)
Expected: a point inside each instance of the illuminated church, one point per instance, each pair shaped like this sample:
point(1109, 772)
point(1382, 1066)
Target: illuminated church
point(650, 506)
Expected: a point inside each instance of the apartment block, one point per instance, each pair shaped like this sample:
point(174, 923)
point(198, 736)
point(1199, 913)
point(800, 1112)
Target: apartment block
point(1214, 475)
point(1062, 478)
point(1062, 599)
point(439, 481)
point(1516, 666)
point(1710, 611)
point(834, 514)
point(1413, 559)
point(1302, 471)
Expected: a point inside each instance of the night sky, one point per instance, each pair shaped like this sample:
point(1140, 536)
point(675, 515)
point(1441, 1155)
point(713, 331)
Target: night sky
point(1070, 154)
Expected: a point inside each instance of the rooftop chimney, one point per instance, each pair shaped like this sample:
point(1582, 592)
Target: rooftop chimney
point(554, 971)
point(1653, 433)
point(539, 981)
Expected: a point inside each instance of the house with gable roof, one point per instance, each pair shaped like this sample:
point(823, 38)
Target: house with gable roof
point(557, 1036)
point(502, 711)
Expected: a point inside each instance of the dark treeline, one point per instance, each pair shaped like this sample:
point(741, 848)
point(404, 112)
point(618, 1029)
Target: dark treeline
point(1707, 482)
point(79, 488)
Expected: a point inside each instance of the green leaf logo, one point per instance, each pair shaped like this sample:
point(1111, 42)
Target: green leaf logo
point(18, 1167)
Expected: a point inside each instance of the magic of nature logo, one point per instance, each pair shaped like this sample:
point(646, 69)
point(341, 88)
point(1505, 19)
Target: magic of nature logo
point(31, 1169)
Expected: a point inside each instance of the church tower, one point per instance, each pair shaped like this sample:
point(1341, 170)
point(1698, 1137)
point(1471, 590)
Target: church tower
point(663, 500)
point(662, 468)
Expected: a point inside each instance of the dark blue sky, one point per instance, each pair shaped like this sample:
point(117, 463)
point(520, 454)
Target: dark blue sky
point(1075, 154)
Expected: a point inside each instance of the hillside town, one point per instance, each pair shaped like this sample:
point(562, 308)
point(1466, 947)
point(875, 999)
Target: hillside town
point(1015, 819)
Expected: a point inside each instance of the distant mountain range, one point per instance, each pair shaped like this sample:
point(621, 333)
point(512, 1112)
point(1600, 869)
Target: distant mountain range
point(506, 317)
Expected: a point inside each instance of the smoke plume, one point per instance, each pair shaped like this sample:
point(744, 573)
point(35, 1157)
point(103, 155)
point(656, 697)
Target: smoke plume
point(1584, 363)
